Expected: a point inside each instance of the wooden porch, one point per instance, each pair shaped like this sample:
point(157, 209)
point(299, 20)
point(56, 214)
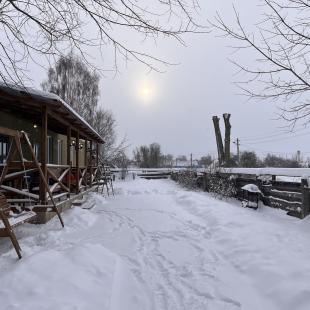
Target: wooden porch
point(28, 178)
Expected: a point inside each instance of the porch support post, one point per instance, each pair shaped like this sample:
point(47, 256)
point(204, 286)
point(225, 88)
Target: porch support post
point(69, 158)
point(97, 154)
point(85, 159)
point(77, 159)
point(43, 154)
point(91, 162)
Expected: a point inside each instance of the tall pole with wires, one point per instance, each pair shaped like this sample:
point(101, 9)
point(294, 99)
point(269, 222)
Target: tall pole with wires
point(191, 161)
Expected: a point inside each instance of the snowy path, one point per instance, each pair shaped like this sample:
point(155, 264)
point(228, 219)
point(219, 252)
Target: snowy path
point(156, 246)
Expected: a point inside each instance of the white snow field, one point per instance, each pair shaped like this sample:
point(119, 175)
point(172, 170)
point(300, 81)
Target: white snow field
point(156, 246)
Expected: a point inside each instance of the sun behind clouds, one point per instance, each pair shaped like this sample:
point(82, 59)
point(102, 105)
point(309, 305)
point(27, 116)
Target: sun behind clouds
point(146, 92)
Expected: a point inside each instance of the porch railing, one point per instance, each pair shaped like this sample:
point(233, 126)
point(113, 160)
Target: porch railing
point(23, 186)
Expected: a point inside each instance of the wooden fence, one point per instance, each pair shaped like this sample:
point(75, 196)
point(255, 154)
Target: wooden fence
point(290, 193)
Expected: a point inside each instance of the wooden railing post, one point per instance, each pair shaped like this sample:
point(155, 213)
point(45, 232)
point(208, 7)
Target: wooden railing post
point(43, 153)
point(97, 154)
point(69, 158)
point(77, 159)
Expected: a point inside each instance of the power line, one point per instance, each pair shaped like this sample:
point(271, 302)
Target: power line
point(272, 134)
point(279, 139)
point(271, 152)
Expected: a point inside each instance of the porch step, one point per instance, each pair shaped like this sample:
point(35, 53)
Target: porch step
point(82, 203)
point(78, 202)
point(58, 196)
point(88, 206)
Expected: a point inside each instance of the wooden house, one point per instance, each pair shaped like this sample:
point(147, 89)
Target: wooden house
point(65, 145)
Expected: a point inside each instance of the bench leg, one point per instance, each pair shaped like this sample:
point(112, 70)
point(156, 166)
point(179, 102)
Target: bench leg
point(8, 232)
point(15, 243)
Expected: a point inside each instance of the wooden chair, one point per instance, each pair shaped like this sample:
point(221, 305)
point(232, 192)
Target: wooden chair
point(9, 222)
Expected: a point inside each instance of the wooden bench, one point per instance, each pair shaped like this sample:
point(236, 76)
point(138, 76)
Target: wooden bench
point(8, 221)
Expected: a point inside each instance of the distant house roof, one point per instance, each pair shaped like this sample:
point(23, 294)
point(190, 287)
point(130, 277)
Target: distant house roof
point(27, 102)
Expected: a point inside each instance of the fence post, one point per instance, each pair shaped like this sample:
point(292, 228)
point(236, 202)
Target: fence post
point(305, 191)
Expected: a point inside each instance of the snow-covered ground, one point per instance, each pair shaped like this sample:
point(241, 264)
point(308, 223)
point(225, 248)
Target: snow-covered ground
point(156, 246)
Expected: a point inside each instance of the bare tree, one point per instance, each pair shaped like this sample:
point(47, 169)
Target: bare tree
point(32, 28)
point(148, 156)
point(76, 84)
point(112, 151)
point(142, 156)
point(281, 42)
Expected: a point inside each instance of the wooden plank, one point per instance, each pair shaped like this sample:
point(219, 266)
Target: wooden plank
point(8, 132)
point(82, 177)
point(58, 180)
point(17, 165)
point(17, 191)
point(284, 204)
point(88, 206)
point(286, 186)
point(20, 218)
point(20, 200)
point(57, 166)
point(290, 196)
point(79, 202)
point(18, 173)
point(58, 196)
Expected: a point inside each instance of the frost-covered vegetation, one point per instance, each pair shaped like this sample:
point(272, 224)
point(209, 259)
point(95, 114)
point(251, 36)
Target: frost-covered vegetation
point(217, 184)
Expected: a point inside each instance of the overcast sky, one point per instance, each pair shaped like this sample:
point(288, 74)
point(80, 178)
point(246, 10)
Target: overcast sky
point(175, 108)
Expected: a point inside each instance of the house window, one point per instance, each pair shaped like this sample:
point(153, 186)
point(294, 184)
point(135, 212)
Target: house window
point(49, 150)
point(59, 151)
point(36, 149)
point(4, 147)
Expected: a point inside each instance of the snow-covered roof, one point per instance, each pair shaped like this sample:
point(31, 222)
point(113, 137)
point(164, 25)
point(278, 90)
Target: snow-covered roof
point(51, 100)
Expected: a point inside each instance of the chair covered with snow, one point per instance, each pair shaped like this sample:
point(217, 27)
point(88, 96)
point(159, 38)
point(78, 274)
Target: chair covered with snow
point(250, 196)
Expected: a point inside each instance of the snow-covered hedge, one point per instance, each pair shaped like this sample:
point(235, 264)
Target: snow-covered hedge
point(218, 184)
point(186, 178)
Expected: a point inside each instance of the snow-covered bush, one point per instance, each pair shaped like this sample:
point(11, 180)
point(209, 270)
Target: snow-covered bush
point(220, 185)
point(186, 178)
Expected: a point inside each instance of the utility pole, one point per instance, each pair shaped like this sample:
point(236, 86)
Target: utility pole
point(237, 142)
point(191, 161)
